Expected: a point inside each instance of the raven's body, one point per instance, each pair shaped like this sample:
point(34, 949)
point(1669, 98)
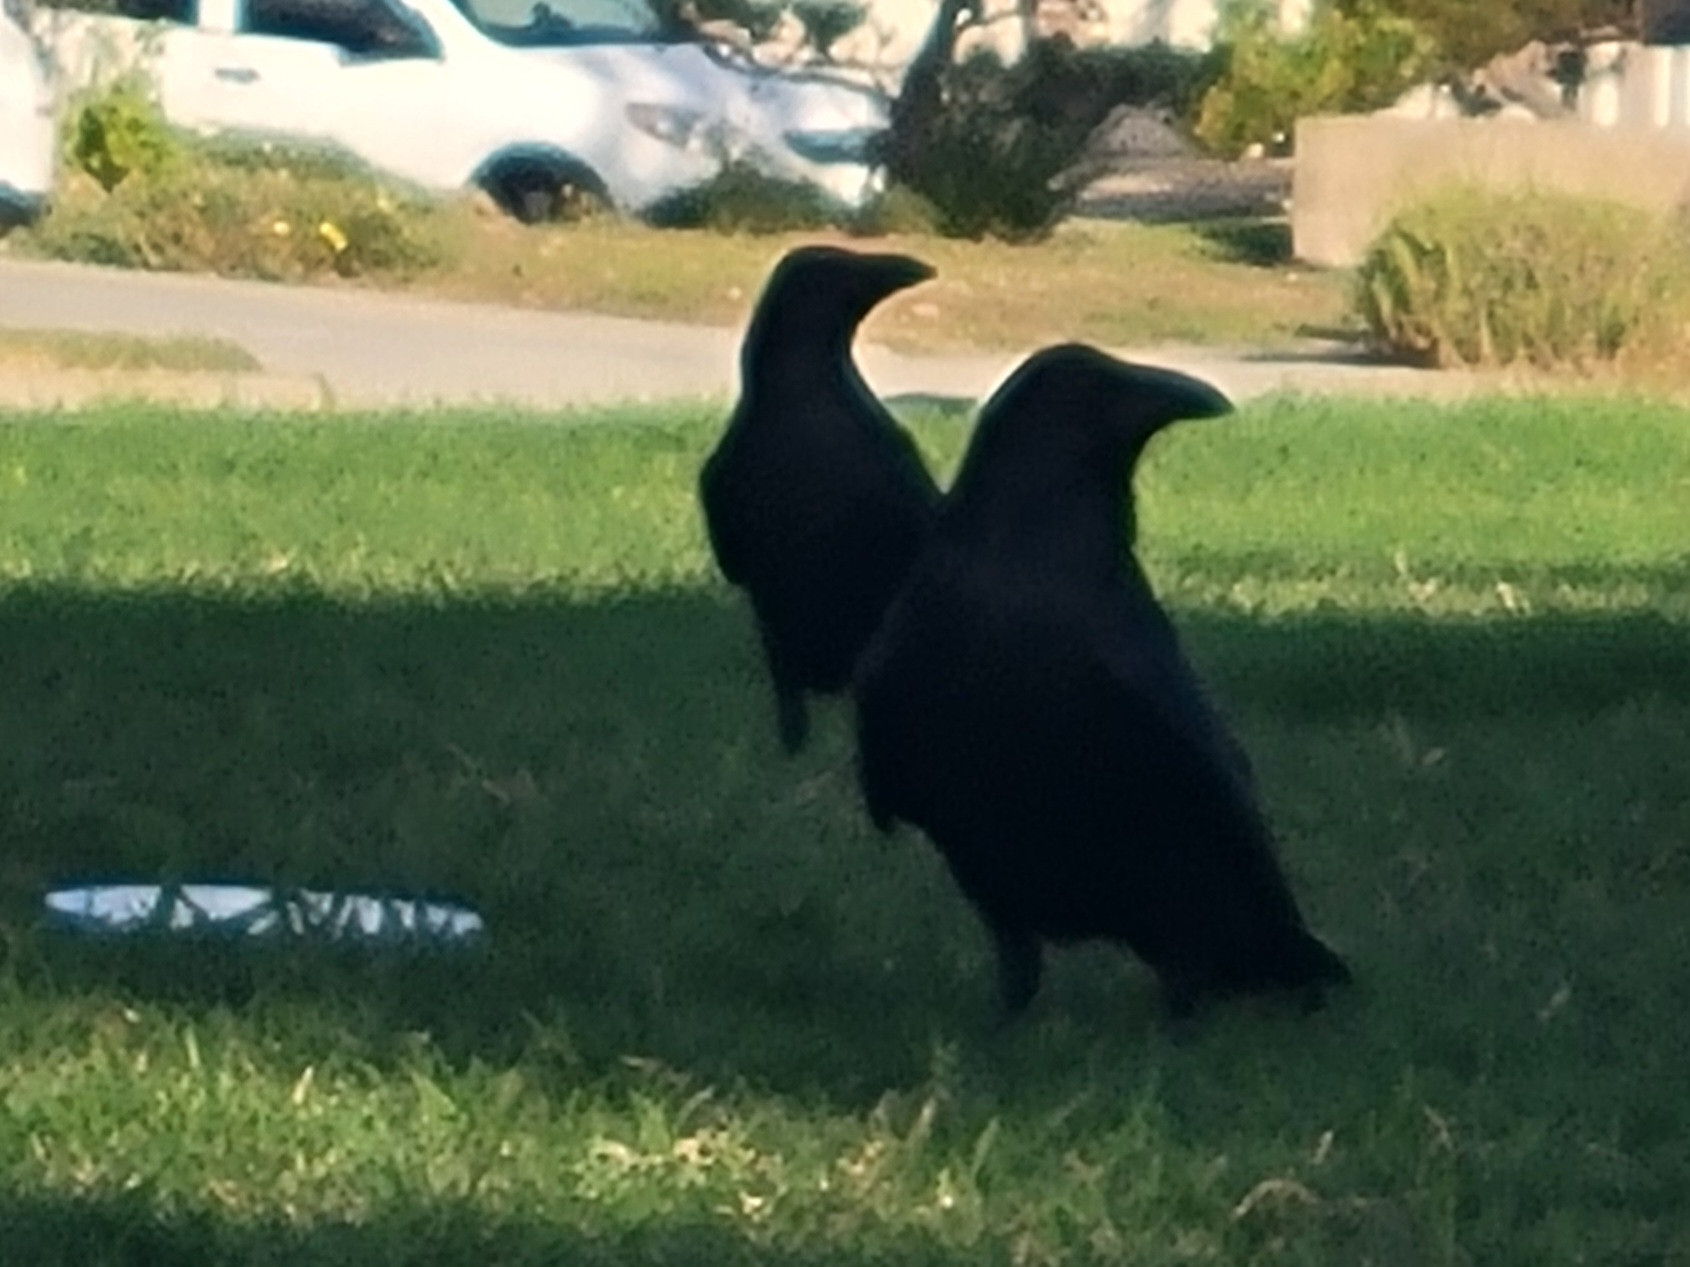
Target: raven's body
point(815, 499)
point(1026, 704)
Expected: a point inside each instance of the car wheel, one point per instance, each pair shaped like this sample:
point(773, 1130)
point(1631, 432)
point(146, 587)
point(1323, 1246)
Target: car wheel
point(538, 191)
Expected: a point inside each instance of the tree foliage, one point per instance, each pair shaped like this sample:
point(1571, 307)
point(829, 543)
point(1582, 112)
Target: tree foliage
point(1360, 57)
point(1468, 33)
point(986, 144)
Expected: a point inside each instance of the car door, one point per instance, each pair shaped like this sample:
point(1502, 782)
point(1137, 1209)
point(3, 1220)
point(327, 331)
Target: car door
point(365, 75)
point(26, 117)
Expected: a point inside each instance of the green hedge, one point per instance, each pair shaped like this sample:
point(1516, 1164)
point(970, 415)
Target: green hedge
point(1480, 278)
point(137, 192)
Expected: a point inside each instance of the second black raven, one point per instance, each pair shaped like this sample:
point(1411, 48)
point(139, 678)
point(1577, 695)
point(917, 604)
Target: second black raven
point(1027, 705)
point(816, 501)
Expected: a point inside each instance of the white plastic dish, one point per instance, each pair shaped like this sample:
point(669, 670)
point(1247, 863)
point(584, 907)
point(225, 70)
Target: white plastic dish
point(241, 910)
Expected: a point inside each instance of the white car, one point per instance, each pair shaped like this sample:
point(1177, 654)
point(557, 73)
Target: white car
point(526, 100)
point(26, 119)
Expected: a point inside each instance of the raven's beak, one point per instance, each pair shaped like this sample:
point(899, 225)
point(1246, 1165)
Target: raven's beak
point(892, 273)
point(1171, 396)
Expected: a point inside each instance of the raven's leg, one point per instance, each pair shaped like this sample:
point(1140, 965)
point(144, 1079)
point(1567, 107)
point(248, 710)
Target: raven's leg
point(1020, 966)
point(1179, 1003)
point(1182, 996)
point(792, 718)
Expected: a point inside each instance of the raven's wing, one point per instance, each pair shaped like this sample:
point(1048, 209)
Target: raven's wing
point(905, 457)
point(894, 685)
point(894, 444)
point(721, 518)
point(836, 472)
point(1132, 695)
point(1054, 757)
point(877, 689)
point(1134, 634)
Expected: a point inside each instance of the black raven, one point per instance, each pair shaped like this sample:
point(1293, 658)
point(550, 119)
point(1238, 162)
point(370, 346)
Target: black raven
point(815, 500)
point(1026, 703)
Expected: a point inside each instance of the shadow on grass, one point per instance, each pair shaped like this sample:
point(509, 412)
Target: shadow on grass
point(1261, 241)
point(602, 782)
point(1315, 668)
point(129, 1230)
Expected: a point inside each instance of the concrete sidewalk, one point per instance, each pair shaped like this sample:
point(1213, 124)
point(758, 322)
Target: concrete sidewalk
point(324, 347)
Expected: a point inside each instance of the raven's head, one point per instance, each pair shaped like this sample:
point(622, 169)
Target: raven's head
point(819, 294)
point(1075, 398)
point(1056, 444)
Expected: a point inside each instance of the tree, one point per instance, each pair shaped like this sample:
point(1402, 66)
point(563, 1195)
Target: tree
point(1351, 57)
point(1468, 33)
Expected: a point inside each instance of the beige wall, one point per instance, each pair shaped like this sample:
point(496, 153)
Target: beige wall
point(1352, 173)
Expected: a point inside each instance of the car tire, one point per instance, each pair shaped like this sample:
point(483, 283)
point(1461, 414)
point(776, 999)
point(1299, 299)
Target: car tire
point(540, 189)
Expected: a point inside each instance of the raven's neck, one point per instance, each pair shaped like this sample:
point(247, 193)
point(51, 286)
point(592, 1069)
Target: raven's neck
point(1063, 521)
point(778, 367)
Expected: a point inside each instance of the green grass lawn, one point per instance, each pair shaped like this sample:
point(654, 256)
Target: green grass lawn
point(717, 1019)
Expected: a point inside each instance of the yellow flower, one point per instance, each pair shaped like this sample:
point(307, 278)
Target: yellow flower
point(330, 233)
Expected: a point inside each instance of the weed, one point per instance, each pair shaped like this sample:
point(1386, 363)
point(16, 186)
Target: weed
point(120, 132)
point(147, 196)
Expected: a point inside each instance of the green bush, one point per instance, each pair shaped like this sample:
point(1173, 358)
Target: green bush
point(987, 164)
point(741, 199)
point(988, 159)
point(1478, 278)
point(1358, 58)
point(142, 195)
point(896, 211)
point(120, 132)
point(1468, 34)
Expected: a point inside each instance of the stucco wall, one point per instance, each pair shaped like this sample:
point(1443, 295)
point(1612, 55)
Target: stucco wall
point(1352, 173)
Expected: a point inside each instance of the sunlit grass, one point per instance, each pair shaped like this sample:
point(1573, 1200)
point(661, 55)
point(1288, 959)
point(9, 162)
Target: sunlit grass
point(82, 350)
point(1114, 283)
point(717, 1019)
point(1118, 284)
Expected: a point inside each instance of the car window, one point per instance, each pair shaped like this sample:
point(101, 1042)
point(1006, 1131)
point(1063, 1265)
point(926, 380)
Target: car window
point(369, 28)
point(185, 12)
point(552, 22)
point(25, 43)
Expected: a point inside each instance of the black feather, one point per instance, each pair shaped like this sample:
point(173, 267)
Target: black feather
point(815, 499)
point(1027, 705)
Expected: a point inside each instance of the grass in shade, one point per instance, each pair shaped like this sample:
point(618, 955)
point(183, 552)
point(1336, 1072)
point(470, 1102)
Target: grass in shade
point(716, 1019)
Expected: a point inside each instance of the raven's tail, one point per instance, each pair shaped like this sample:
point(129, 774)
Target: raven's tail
point(1311, 962)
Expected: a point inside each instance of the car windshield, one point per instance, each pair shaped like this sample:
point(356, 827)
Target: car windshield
point(530, 23)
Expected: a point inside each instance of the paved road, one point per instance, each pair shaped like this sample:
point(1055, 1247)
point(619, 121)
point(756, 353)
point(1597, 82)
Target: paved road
point(366, 348)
